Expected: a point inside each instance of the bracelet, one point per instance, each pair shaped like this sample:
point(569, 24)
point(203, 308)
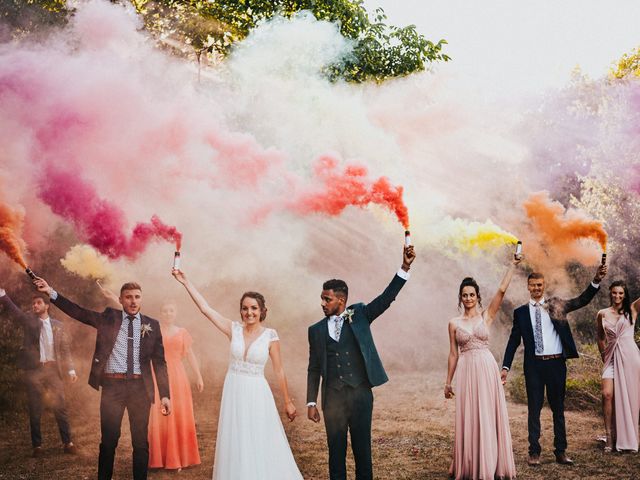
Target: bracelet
point(447, 385)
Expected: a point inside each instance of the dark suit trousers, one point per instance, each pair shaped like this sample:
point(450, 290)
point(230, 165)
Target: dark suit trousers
point(552, 376)
point(44, 386)
point(116, 396)
point(349, 410)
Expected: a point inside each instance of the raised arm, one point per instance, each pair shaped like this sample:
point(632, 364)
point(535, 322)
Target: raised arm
point(496, 301)
point(11, 308)
point(378, 305)
point(585, 297)
point(274, 353)
point(600, 335)
point(219, 321)
point(88, 317)
point(108, 294)
point(635, 308)
point(452, 362)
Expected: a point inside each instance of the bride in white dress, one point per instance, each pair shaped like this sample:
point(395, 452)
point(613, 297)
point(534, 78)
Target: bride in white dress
point(251, 443)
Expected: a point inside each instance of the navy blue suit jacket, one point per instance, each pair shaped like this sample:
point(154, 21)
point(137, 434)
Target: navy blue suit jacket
point(558, 310)
point(108, 324)
point(362, 318)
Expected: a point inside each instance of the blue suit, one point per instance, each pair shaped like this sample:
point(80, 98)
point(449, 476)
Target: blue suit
point(349, 368)
point(541, 373)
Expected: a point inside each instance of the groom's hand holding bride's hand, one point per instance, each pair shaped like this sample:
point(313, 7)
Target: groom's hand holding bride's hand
point(313, 413)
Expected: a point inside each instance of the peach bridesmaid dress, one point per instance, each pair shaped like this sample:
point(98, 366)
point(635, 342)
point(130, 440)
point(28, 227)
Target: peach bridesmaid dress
point(172, 438)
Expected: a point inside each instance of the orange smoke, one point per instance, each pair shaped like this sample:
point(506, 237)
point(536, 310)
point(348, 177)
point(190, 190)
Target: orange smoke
point(10, 228)
point(561, 229)
point(351, 187)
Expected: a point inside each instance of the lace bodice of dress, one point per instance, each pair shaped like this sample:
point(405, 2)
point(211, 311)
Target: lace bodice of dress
point(256, 355)
point(477, 339)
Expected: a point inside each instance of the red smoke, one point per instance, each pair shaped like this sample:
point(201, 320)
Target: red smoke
point(97, 221)
point(10, 228)
point(562, 229)
point(350, 187)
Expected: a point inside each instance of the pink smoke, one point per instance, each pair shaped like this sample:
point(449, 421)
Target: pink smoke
point(97, 221)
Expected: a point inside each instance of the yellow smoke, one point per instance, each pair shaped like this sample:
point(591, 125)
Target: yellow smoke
point(85, 261)
point(462, 236)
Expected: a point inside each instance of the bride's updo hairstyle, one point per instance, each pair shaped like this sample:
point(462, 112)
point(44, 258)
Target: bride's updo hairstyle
point(469, 282)
point(261, 303)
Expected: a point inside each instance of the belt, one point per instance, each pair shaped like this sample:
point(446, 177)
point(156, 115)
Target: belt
point(549, 357)
point(122, 376)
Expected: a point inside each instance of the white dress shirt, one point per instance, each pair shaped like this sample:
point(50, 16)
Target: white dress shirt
point(550, 338)
point(117, 362)
point(47, 352)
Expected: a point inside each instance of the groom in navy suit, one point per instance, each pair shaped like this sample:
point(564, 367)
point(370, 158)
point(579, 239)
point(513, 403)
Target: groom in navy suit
point(543, 327)
point(343, 354)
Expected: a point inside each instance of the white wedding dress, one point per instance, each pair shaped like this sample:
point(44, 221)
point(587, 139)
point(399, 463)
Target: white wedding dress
point(251, 441)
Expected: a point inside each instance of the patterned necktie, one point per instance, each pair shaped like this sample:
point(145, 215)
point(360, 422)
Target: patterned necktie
point(537, 333)
point(338, 327)
point(130, 346)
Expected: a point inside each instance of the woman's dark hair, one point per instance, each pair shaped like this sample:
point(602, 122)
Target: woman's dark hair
point(469, 282)
point(261, 303)
point(625, 308)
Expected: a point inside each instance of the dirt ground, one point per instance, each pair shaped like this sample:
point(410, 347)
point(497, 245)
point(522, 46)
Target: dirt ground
point(412, 438)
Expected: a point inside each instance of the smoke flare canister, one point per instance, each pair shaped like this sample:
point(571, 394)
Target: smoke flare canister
point(604, 259)
point(407, 238)
point(32, 275)
point(519, 248)
point(176, 261)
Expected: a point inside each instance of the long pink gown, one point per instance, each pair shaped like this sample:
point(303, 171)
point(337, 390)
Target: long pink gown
point(622, 350)
point(482, 446)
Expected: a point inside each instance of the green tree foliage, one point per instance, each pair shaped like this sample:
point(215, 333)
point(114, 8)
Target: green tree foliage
point(31, 17)
point(204, 27)
point(380, 52)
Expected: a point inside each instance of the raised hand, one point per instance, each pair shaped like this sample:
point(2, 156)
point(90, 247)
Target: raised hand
point(179, 276)
point(42, 285)
point(600, 274)
point(408, 256)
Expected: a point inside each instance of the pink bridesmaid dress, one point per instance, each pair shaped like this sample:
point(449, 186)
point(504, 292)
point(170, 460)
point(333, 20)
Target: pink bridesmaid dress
point(482, 446)
point(621, 352)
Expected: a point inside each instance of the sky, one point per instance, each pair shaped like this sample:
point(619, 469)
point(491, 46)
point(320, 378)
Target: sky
point(522, 47)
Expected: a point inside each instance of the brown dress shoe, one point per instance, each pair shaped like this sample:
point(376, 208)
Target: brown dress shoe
point(562, 459)
point(534, 460)
point(70, 448)
point(37, 452)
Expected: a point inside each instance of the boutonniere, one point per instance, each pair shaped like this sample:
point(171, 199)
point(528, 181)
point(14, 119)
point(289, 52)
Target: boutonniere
point(348, 315)
point(145, 328)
